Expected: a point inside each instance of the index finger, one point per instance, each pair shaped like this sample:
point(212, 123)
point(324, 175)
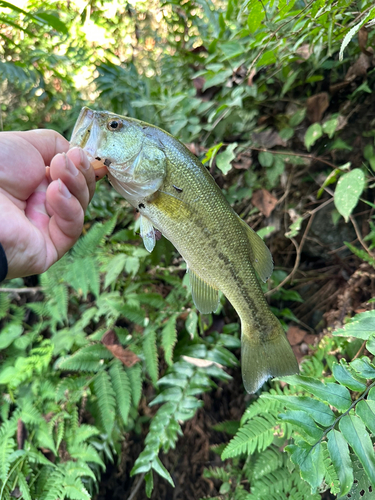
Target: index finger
point(48, 142)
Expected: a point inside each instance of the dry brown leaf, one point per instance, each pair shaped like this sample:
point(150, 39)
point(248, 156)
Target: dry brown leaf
point(112, 343)
point(264, 201)
point(295, 335)
point(360, 67)
point(304, 51)
point(268, 139)
point(316, 106)
point(251, 76)
point(362, 41)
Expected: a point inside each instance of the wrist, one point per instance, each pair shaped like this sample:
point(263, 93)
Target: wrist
point(3, 264)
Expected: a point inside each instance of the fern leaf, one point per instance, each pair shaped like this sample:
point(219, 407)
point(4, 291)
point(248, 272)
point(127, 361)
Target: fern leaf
point(54, 486)
point(75, 490)
point(105, 400)
point(7, 445)
point(23, 486)
point(273, 483)
point(121, 387)
point(150, 354)
point(169, 338)
point(260, 406)
point(135, 377)
point(84, 432)
point(87, 245)
point(88, 359)
point(257, 434)
point(267, 462)
point(86, 453)
point(4, 304)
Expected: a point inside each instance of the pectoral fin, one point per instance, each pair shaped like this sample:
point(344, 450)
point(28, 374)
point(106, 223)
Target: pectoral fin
point(147, 233)
point(205, 297)
point(261, 258)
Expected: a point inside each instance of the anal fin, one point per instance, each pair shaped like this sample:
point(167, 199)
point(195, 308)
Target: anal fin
point(147, 233)
point(205, 297)
point(261, 258)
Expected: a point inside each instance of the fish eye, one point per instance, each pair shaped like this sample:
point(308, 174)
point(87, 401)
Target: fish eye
point(114, 125)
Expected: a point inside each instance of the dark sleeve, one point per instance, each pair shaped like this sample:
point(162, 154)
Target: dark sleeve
point(3, 264)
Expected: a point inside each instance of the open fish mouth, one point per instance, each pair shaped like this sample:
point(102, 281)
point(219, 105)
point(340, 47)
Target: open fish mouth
point(86, 134)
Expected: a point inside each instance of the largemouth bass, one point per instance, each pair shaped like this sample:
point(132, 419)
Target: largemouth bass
point(175, 194)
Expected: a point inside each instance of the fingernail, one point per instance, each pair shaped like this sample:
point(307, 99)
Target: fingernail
point(71, 168)
point(84, 160)
point(63, 189)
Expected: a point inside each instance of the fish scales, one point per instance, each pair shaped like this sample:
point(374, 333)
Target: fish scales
point(175, 194)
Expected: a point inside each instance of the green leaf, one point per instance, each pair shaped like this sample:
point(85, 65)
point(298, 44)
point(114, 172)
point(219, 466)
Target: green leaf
point(310, 461)
point(344, 377)
point(313, 133)
point(366, 411)
point(54, 21)
point(354, 431)
point(319, 411)
point(161, 470)
point(256, 16)
point(9, 333)
point(348, 191)
point(333, 394)
point(303, 420)
point(105, 400)
point(169, 338)
point(361, 326)
point(191, 323)
point(361, 489)
point(149, 480)
point(370, 344)
point(267, 58)
point(114, 268)
point(121, 387)
point(364, 367)
point(329, 127)
point(223, 160)
point(265, 158)
point(150, 354)
point(352, 32)
point(339, 452)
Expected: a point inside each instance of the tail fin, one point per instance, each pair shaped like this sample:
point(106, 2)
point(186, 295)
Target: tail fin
point(262, 359)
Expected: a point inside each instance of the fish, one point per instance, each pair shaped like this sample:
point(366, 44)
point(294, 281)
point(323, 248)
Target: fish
point(176, 196)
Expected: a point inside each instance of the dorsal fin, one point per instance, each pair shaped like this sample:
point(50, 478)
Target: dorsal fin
point(261, 258)
point(147, 233)
point(205, 297)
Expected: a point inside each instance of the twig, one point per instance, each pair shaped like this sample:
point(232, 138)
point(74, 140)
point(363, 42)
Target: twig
point(298, 257)
point(359, 236)
point(137, 486)
point(289, 153)
point(34, 289)
point(360, 350)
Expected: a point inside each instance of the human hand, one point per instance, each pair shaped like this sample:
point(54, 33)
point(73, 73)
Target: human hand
point(44, 192)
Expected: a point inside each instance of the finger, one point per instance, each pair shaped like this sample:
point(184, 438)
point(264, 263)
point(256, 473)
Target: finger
point(66, 224)
point(48, 142)
point(22, 167)
point(79, 158)
point(63, 168)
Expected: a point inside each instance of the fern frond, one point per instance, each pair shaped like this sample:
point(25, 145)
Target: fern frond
point(7, 445)
point(53, 488)
point(84, 432)
point(88, 244)
point(105, 400)
point(83, 276)
point(121, 387)
point(261, 406)
point(268, 461)
point(169, 338)
point(86, 453)
point(88, 359)
point(217, 473)
point(4, 304)
point(23, 486)
point(150, 354)
point(255, 435)
point(135, 377)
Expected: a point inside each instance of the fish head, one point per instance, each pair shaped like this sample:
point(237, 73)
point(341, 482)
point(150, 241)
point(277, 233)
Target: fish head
point(136, 164)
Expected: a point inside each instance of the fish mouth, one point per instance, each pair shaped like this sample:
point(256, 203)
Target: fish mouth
point(86, 132)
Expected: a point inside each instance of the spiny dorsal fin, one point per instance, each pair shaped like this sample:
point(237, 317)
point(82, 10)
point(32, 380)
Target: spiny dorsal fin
point(147, 233)
point(205, 297)
point(261, 257)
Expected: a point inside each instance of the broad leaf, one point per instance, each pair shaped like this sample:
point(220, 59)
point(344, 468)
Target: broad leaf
point(362, 326)
point(313, 133)
point(310, 461)
point(344, 377)
point(354, 431)
point(348, 190)
point(339, 452)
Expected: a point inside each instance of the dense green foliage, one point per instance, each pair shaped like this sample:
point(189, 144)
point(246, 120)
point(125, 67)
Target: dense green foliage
point(249, 84)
